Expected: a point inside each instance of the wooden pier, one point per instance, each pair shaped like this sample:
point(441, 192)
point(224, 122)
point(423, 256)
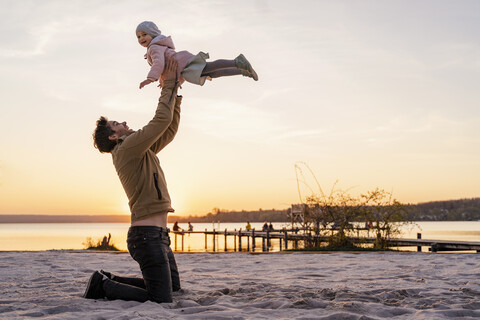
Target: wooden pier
point(290, 239)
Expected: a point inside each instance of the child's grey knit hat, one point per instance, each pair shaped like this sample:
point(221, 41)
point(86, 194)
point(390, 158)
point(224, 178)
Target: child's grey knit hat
point(149, 28)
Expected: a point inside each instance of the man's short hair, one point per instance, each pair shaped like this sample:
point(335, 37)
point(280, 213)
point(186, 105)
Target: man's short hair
point(101, 134)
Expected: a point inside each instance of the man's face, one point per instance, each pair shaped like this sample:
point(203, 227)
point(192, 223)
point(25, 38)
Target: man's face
point(120, 129)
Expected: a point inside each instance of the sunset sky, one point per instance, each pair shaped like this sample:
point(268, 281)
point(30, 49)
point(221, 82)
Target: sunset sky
point(370, 93)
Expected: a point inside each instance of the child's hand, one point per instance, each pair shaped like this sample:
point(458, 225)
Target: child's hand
point(144, 83)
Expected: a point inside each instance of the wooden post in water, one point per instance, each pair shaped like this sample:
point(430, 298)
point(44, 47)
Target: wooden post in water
point(268, 239)
point(205, 239)
point(183, 235)
point(240, 240)
point(175, 242)
point(225, 239)
point(235, 241)
point(213, 239)
point(419, 248)
point(253, 240)
point(296, 241)
point(286, 238)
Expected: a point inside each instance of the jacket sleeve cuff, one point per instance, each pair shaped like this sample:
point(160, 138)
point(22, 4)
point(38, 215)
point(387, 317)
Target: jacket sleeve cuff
point(179, 100)
point(169, 84)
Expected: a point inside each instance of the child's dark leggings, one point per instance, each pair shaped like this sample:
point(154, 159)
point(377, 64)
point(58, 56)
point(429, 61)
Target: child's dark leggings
point(221, 68)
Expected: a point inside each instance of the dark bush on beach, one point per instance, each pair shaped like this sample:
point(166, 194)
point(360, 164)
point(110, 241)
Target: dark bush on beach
point(103, 244)
point(386, 215)
point(340, 217)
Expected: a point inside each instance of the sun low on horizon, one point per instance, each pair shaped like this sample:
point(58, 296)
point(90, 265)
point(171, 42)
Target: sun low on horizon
point(369, 94)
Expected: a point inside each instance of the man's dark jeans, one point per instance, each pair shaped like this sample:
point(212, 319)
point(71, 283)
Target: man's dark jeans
point(150, 247)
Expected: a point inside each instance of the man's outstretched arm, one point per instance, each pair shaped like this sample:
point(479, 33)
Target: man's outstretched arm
point(140, 141)
point(170, 133)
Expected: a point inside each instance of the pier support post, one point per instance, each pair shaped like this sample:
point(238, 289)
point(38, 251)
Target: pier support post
point(214, 240)
point(183, 235)
point(240, 240)
point(253, 240)
point(225, 239)
point(419, 248)
point(205, 239)
point(268, 240)
point(286, 238)
point(235, 241)
point(175, 242)
point(295, 243)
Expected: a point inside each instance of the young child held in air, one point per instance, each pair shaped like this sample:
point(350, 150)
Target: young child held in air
point(192, 68)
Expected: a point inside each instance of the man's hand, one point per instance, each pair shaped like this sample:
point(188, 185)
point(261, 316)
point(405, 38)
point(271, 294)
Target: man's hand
point(144, 83)
point(170, 72)
point(160, 82)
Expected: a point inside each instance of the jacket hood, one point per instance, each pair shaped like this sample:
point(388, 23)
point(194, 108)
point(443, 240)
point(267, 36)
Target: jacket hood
point(163, 41)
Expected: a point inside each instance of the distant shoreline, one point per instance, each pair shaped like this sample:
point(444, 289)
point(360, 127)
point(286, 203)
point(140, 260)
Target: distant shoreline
point(32, 218)
point(450, 210)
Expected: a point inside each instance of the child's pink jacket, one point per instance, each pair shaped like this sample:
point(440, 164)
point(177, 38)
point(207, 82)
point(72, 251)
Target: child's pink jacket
point(159, 52)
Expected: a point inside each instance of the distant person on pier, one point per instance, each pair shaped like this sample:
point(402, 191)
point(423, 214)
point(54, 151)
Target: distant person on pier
point(265, 227)
point(176, 227)
point(190, 227)
point(248, 227)
point(270, 227)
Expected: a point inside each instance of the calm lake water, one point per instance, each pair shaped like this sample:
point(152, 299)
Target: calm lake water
point(48, 236)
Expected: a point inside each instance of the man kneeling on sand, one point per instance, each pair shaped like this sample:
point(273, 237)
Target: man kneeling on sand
point(134, 158)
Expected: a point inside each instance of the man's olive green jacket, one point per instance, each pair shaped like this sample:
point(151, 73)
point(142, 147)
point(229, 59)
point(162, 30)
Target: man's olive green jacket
point(136, 162)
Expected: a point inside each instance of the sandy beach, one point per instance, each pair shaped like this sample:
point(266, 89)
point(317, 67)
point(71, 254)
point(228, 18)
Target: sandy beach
point(50, 285)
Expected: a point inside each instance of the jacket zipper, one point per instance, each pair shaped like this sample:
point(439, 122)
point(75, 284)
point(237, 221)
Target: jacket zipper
point(159, 193)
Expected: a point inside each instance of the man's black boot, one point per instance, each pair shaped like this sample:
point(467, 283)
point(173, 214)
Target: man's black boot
point(95, 288)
